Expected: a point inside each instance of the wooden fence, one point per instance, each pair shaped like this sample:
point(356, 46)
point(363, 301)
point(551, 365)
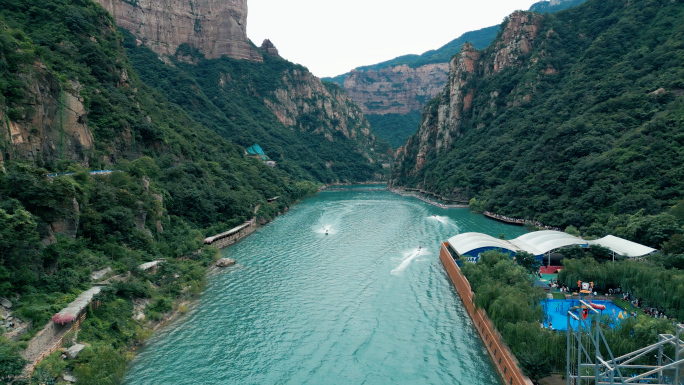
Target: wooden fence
point(503, 359)
point(56, 345)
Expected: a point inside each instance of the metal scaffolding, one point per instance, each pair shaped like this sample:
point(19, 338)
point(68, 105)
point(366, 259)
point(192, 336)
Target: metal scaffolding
point(590, 360)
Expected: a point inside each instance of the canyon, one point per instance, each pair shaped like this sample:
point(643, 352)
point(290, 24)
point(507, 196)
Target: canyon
point(404, 85)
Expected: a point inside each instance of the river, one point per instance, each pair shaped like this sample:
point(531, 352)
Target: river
point(360, 305)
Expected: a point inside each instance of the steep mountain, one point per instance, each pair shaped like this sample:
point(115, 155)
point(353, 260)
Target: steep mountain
point(312, 130)
point(214, 27)
point(570, 119)
point(396, 88)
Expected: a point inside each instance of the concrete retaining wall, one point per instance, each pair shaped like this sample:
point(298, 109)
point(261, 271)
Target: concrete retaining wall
point(503, 359)
point(225, 242)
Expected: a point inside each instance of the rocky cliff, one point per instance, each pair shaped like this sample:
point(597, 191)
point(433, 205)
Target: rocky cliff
point(303, 98)
point(49, 124)
point(398, 90)
point(441, 119)
point(215, 27)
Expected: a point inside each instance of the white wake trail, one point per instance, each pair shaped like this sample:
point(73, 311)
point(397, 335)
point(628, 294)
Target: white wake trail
point(406, 262)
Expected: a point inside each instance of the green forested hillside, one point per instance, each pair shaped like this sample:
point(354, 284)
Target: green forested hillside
point(546, 7)
point(227, 95)
point(587, 131)
point(395, 128)
point(180, 179)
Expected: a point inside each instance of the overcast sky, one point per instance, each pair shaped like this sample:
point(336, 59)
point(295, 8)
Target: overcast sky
point(330, 37)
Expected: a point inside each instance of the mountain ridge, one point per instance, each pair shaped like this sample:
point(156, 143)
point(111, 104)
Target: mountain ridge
point(380, 91)
point(559, 119)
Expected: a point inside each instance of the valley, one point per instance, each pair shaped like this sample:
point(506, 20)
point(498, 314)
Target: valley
point(142, 141)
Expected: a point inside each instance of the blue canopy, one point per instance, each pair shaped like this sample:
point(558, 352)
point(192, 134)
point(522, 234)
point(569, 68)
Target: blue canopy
point(255, 149)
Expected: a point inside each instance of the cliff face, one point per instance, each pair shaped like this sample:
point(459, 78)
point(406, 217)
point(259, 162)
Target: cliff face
point(50, 123)
point(440, 122)
point(303, 98)
point(442, 118)
point(397, 90)
point(215, 27)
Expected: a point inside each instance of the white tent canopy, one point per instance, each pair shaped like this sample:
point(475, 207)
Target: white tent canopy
point(541, 242)
point(623, 247)
point(467, 242)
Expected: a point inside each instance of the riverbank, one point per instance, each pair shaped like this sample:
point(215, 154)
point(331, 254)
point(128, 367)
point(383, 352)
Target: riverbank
point(518, 221)
point(55, 339)
point(427, 200)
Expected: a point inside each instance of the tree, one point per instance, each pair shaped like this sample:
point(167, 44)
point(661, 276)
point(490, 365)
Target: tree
point(19, 247)
point(527, 261)
point(11, 363)
point(572, 252)
point(675, 245)
point(600, 253)
point(572, 230)
point(535, 364)
point(101, 366)
point(678, 211)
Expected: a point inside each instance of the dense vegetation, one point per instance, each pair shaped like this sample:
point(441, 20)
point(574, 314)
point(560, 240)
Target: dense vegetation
point(395, 128)
point(597, 145)
point(651, 280)
point(505, 291)
point(546, 7)
point(179, 181)
point(227, 96)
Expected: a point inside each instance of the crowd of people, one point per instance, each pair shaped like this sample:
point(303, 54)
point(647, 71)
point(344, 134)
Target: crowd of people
point(638, 303)
point(555, 284)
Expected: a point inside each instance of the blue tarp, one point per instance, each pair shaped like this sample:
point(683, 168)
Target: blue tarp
point(255, 149)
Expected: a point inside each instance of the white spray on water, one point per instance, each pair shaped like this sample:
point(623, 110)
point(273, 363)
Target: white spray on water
point(443, 220)
point(409, 257)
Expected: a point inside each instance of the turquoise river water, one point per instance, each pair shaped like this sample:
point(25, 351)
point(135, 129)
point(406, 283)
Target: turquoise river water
point(361, 305)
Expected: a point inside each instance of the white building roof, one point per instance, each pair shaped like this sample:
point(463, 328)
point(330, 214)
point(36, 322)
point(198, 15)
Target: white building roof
point(466, 242)
point(623, 246)
point(541, 242)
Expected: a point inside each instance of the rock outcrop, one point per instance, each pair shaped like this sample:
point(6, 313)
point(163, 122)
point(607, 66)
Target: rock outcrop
point(50, 123)
point(225, 262)
point(269, 48)
point(516, 42)
point(74, 351)
point(307, 104)
point(215, 27)
point(441, 121)
point(397, 90)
